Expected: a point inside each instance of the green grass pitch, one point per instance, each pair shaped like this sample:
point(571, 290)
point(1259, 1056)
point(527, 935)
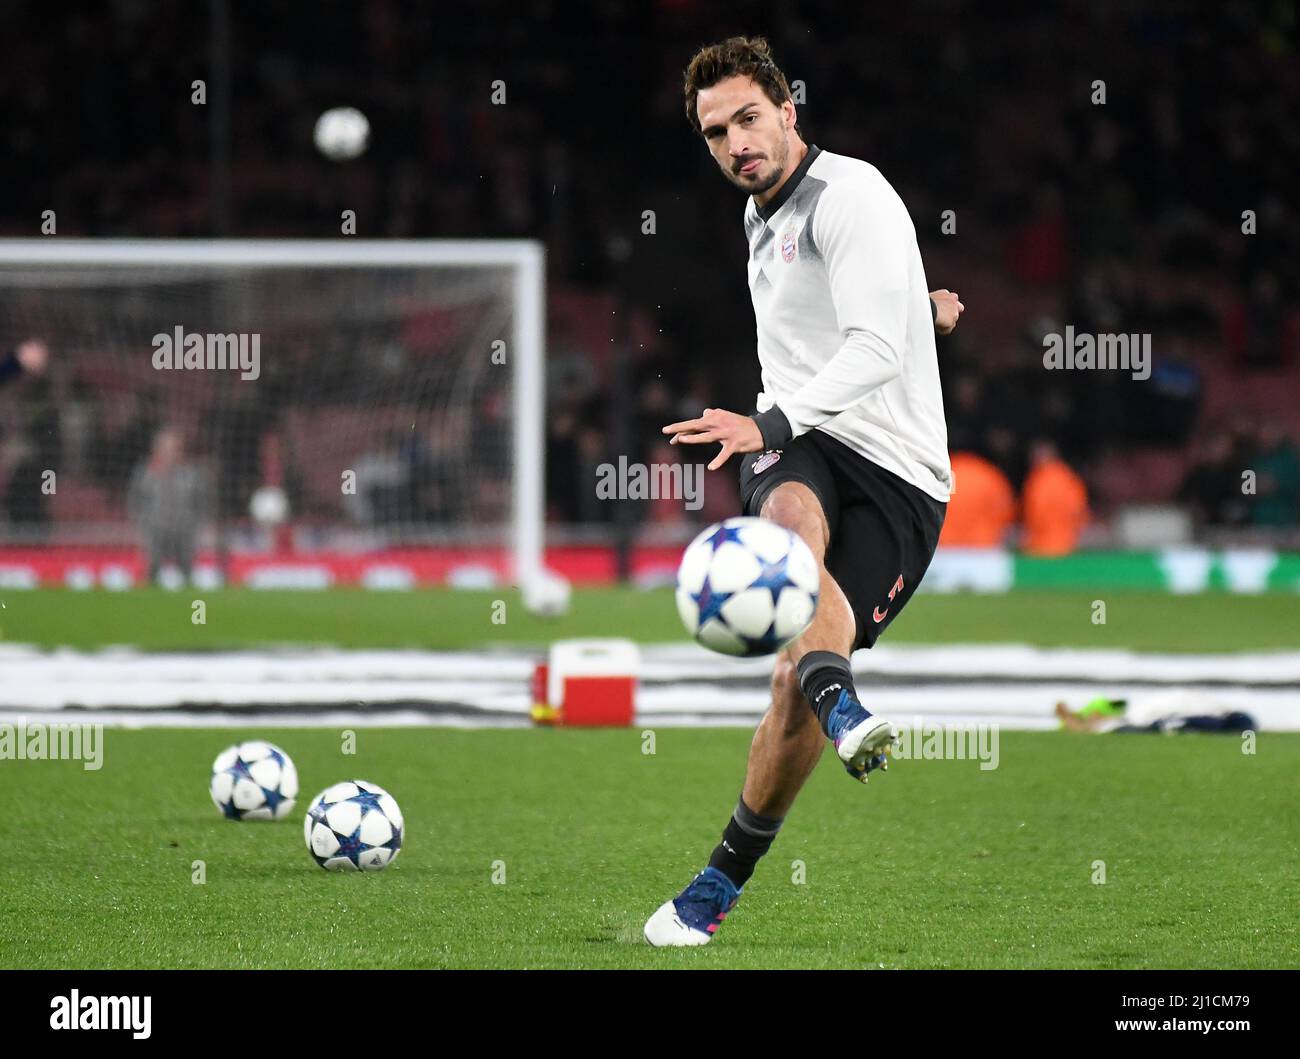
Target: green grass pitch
point(153, 619)
point(936, 864)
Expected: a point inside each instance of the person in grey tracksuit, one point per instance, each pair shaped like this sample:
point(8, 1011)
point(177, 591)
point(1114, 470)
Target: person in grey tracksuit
point(169, 500)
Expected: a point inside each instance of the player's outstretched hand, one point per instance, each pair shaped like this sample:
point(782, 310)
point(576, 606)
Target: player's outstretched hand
point(735, 432)
point(950, 309)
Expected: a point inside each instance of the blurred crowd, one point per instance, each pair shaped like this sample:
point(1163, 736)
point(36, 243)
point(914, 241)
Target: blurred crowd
point(1249, 476)
point(1126, 170)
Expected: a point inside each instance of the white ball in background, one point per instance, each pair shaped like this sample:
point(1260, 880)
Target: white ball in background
point(547, 595)
point(342, 133)
point(354, 826)
point(254, 780)
point(268, 505)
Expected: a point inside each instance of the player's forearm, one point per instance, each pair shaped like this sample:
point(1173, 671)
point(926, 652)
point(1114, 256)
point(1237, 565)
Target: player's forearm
point(864, 240)
point(865, 363)
point(867, 360)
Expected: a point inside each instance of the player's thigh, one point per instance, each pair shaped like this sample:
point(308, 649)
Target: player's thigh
point(796, 507)
point(801, 463)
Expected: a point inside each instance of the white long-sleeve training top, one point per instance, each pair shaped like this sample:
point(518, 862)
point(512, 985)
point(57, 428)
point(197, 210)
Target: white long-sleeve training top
point(845, 326)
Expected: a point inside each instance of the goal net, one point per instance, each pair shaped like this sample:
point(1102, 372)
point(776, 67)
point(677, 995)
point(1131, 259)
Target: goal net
point(331, 401)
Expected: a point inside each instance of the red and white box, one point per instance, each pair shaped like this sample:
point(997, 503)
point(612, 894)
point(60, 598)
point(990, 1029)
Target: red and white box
point(592, 683)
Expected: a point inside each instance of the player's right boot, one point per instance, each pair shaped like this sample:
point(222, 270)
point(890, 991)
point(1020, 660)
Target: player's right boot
point(862, 739)
point(692, 917)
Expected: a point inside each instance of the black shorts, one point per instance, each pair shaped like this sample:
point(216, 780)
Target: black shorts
point(883, 530)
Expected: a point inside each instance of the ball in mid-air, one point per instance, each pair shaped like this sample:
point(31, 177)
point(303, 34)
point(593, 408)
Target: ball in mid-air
point(268, 505)
point(254, 781)
point(354, 826)
point(747, 587)
point(342, 133)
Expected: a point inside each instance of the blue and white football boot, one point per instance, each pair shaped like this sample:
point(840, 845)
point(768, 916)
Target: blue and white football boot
point(863, 740)
point(694, 915)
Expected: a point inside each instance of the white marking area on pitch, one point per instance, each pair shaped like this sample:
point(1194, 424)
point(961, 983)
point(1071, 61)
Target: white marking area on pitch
point(681, 684)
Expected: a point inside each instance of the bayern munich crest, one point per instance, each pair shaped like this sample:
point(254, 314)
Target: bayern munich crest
point(766, 460)
point(788, 246)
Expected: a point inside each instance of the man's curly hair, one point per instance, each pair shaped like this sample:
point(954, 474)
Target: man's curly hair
point(736, 56)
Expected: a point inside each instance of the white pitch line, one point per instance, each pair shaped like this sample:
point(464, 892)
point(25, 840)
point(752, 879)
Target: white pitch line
point(1012, 685)
point(664, 662)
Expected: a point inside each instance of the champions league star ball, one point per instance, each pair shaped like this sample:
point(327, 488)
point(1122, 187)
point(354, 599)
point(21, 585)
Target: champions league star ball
point(354, 826)
point(747, 587)
point(254, 781)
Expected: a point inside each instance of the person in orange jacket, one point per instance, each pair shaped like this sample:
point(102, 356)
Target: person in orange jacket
point(1055, 503)
point(983, 504)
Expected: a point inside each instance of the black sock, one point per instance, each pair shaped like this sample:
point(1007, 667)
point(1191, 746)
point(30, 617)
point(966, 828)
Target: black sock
point(746, 838)
point(822, 674)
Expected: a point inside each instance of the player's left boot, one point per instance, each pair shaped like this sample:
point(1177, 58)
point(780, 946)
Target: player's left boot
point(692, 917)
point(862, 739)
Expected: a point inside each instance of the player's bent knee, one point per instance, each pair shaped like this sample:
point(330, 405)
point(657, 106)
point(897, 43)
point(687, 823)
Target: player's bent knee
point(790, 504)
point(796, 507)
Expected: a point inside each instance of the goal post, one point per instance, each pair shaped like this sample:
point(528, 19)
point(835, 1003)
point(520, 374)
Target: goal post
point(446, 325)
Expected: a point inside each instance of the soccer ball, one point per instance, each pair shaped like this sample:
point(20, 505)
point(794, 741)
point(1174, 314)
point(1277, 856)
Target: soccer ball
point(546, 594)
point(747, 587)
point(342, 133)
point(254, 781)
point(268, 505)
point(354, 826)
